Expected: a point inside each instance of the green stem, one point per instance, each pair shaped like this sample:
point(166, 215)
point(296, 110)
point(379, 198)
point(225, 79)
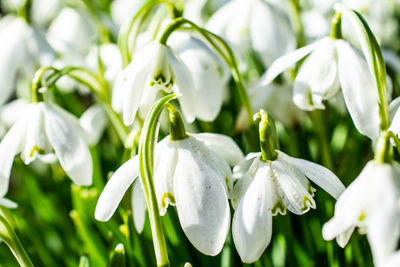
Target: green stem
point(222, 49)
point(296, 21)
point(373, 54)
point(127, 31)
point(396, 141)
point(37, 83)
point(148, 138)
point(9, 237)
point(320, 129)
point(267, 133)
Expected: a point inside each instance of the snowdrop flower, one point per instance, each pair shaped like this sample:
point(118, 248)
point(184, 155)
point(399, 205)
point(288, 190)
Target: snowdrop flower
point(154, 67)
point(44, 11)
point(39, 131)
point(190, 174)
point(271, 182)
point(254, 25)
point(70, 34)
point(22, 51)
point(210, 74)
point(331, 64)
point(372, 203)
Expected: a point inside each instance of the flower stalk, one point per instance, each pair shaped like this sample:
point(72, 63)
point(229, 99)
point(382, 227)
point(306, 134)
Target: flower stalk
point(222, 48)
point(146, 160)
point(176, 126)
point(9, 237)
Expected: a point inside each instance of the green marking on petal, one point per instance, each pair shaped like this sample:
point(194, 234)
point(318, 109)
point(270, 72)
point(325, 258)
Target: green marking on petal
point(37, 150)
point(278, 207)
point(160, 80)
point(362, 217)
point(166, 196)
point(310, 189)
point(305, 205)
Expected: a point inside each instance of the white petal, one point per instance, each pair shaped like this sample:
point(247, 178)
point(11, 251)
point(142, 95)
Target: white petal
point(243, 166)
point(10, 112)
point(94, 121)
point(213, 160)
point(138, 206)
point(207, 78)
point(392, 260)
point(318, 174)
point(270, 32)
point(222, 145)
point(9, 147)
point(201, 202)
point(317, 77)
point(359, 90)
point(296, 195)
point(135, 79)
point(164, 171)
point(70, 148)
point(8, 203)
point(350, 206)
point(115, 189)
point(252, 221)
point(383, 228)
point(184, 82)
point(286, 61)
point(13, 49)
point(35, 142)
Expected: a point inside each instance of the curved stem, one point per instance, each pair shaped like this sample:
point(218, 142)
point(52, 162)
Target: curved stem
point(8, 235)
point(222, 49)
point(336, 29)
point(148, 138)
point(373, 54)
point(128, 30)
point(37, 83)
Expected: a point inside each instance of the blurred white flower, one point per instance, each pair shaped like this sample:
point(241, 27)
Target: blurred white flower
point(254, 25)
point(155, 67)
point(372, 203)
point(331, 64)
point(71, 34)
point(23, 50)
point(44, 11)
point(190, 174)
point(110, 57)
point(94, 121)
point(123, 10)
point(266, 188)
point(10, 112)
point(39, 131)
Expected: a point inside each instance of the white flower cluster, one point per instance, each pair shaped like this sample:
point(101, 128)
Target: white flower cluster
point(238, 51)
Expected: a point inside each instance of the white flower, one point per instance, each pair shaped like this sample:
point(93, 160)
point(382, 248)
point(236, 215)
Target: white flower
point(371, 202)
point(110, 57)
point(93, 121)
point(210, 74)
point(254, 25)
point(71, 34)
point(277, 100)
point(39, 131)
point(154, 67)
point(331, 64)
point(269, 188)
point(22, 51)
point(188, 174)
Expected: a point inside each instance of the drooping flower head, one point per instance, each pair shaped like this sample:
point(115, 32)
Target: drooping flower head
point(192, 173)
point(269, 183)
